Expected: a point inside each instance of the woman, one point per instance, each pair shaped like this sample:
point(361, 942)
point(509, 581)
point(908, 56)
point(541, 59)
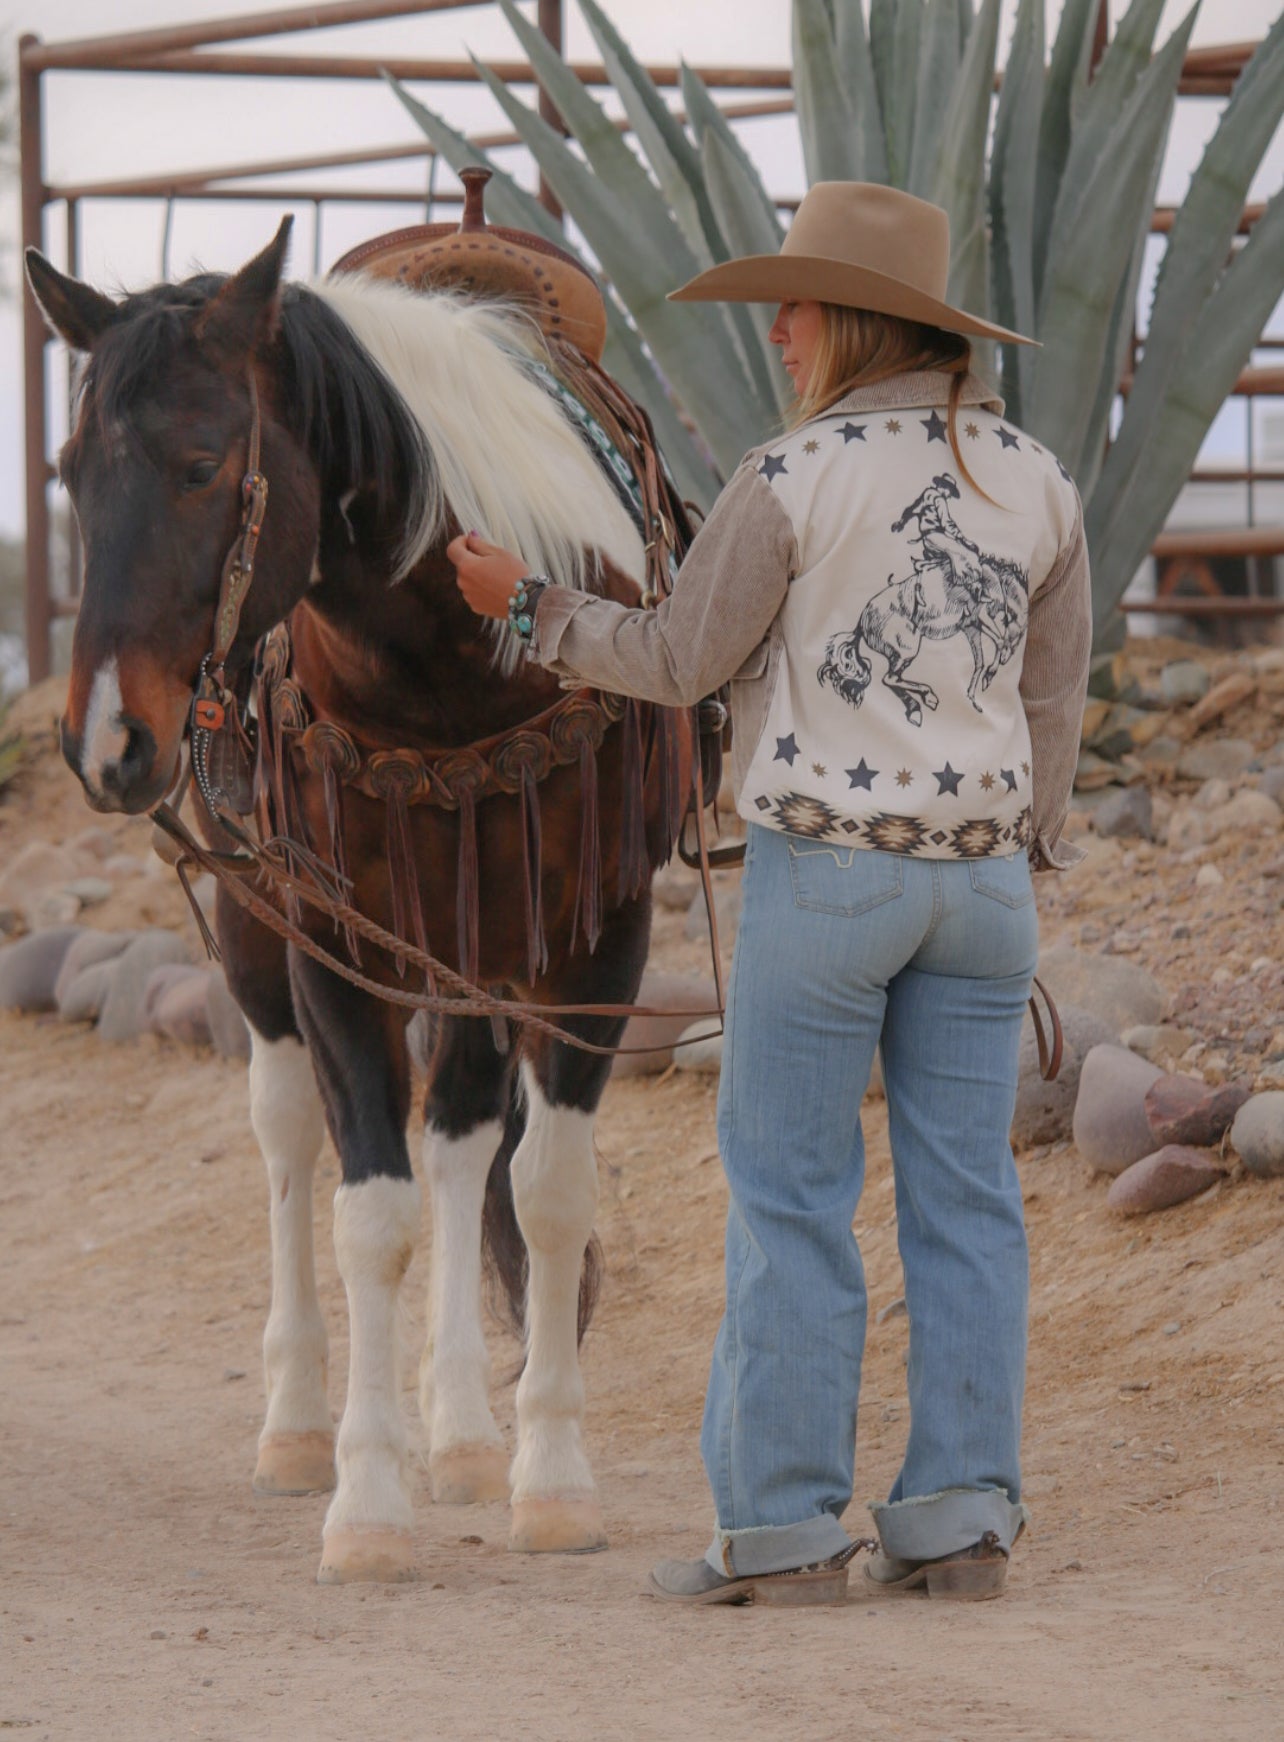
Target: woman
point(898, 588)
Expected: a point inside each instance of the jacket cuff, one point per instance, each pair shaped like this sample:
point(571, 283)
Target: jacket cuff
point(553, 611)
point(1046, 855)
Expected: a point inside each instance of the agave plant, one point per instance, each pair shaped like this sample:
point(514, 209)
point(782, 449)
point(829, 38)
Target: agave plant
point(1049, 214)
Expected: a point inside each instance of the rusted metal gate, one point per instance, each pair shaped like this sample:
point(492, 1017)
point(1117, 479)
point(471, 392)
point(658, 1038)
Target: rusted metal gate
point(197, 48)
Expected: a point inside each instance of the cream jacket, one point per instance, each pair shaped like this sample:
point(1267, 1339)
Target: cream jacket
point(908, 659)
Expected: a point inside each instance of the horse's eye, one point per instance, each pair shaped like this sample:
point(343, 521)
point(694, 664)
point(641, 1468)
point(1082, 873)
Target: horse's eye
point(202, 473)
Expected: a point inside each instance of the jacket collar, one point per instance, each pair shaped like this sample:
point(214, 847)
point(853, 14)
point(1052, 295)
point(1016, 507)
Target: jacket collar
point(916, 388)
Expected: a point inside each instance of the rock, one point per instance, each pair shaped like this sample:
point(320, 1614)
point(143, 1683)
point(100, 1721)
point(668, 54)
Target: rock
point(1212, 795)
point(728, 899)
point(1126, 814)
point(93, 843)
point(88, 891)
point(1184, 1111)
point(1169, 1176)
point(29, 968)
point(229, 1030)
point(1248, 813)
point(33, 878)
point(674, 886)
point(10, 922)
point(1216, 758)
point(1271, 1075)
point(1233, 689)
point(895, 1309)
point(1271, 782)
point(161, 981)
point(704, 1053)
point(1208, 877)
point(1161, 752)
point(1093, 772)
point(1118, 991)
point(122, 1017)
point(181, 1011)
point(89, 948)
point(1187, 828)
point(1157, 1042)
point(680, 993)
point(1258, 1134)
point(82, 998)
point(1183, 682)
point(1110, 1127)
point(56, 907)
point(1045, 1111)
point(124, 865)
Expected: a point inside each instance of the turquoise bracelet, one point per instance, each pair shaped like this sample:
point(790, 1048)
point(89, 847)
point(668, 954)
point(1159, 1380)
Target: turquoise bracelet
point(523, 603)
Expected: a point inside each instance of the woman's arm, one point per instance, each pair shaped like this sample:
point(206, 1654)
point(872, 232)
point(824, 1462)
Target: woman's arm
point(1054, 684)
point(731, 585)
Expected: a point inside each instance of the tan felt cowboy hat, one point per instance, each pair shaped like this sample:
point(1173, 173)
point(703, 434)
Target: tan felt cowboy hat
point(859, 245)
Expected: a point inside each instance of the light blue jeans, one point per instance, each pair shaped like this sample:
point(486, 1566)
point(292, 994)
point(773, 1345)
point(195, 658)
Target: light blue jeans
point(839, 948)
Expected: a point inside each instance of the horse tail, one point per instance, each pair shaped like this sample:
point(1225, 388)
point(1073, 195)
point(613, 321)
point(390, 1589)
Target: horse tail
point(845, 667)
point(504, 1257)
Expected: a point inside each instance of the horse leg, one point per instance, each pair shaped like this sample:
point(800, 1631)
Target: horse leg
point(464, 1128)
point(554, 1174)
point(363, 1069)
point(296, 1447)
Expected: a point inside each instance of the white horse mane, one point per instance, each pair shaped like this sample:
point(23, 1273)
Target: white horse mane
point(506, 460)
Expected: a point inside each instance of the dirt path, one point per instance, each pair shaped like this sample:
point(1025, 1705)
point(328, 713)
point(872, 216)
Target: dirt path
point(147, 1594)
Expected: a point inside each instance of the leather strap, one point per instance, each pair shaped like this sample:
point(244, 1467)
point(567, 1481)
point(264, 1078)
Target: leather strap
point(1049, 1058)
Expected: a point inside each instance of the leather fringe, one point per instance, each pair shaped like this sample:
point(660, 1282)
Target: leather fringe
point(338, 858)
point(407, 910)
point(588, 890)
point(633, 848)
point(467, 893)
point(532, 876)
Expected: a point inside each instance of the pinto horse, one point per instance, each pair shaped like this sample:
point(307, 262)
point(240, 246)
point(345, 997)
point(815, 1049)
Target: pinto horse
point(389, 420)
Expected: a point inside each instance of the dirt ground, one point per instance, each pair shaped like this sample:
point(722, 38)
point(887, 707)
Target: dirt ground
point(148, 1594)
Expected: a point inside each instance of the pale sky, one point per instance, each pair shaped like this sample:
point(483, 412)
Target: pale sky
point(103, 125)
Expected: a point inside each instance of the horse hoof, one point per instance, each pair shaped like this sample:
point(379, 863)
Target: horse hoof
point(556, 1527)
point(295, 1464)
point(356, 1554)
point(469, 1475)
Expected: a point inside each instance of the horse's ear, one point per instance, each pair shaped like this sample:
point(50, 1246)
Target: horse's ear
point(245, 310)
point(76, 312)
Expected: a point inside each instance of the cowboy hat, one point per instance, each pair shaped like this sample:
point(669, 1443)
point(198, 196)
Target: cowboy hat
point(862, 246)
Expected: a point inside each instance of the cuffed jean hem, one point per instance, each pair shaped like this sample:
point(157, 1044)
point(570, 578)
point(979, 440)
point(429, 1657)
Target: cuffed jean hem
point(930, 1525)
point(776, 1548)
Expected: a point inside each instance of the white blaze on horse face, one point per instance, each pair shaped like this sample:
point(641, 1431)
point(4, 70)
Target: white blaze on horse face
point(555, 1195)
point(105, 738)
point(376, 1224)
point(285, 1110)
point(454, 1376)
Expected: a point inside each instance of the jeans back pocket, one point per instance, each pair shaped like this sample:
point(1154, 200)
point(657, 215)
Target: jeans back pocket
point(842, 880)
point(1005, 879)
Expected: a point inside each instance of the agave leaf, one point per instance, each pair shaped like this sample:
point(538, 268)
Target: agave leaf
point(1127, 56)
point(1012, 165)
point(970, 287)
point(623, 356)
point(676, 163)
point(689, 342)
point(938, 67)
point(960, 183)
point(1063, 90)
point(1083, 283)
point(966, 20)
point(898, 109)
point(673, 158)
point(705, 117)
point(741, 218)
point(856, 69)
point(882, 53)
point(830, 138)
point(1201, 238)
point(1220, 344)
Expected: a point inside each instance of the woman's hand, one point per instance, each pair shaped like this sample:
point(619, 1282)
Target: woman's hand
point(486, 573)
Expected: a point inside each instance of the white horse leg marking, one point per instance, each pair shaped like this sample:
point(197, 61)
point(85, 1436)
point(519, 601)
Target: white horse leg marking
point(367, 1529)
point(555, 1196)
point(296, 1447)
point(105, 739)
point(467, 1460)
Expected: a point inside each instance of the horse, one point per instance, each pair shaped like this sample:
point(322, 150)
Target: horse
point(388, 420)
point(931, 604)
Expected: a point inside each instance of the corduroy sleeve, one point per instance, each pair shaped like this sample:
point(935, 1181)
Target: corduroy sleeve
point(1054, 685)
point(731, 585)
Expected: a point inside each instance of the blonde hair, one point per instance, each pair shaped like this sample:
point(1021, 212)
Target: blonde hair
point(858, 347)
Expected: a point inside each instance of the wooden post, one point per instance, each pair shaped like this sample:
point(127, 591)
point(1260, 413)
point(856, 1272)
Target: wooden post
point(31, 150)
point(552, 25)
